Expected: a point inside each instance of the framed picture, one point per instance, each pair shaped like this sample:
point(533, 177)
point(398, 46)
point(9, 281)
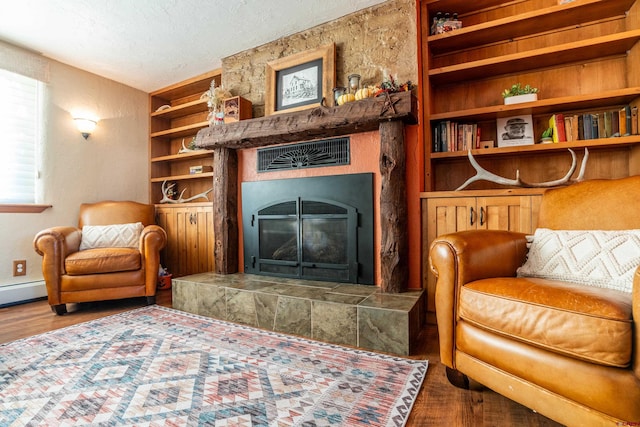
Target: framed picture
point(300, 81)
point(516, 130)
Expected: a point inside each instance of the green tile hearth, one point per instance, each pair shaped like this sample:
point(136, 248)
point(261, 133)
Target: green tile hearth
point(353, 315)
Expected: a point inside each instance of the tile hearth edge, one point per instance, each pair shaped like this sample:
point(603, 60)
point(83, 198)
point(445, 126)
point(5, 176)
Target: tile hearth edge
point(352, 315)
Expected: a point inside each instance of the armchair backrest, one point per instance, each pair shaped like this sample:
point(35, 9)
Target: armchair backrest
point(599, 204)
point(110, 212)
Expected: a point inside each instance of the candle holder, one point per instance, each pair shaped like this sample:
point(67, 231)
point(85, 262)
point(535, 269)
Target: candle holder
point(354, 82)
point(337, 93)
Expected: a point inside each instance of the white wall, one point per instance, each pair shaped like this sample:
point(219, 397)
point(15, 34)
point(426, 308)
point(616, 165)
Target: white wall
point(111, 165)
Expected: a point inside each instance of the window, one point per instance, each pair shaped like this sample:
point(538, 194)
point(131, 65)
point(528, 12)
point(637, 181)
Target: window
point(20, 127)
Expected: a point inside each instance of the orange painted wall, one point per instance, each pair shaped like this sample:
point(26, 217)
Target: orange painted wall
point(365, 154)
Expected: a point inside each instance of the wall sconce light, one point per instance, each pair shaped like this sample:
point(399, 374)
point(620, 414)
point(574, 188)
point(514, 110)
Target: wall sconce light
point(85, 126)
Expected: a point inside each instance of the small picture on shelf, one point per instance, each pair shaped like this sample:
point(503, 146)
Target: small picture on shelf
point(516, 130)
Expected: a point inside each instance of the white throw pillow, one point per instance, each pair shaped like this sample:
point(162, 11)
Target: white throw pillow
point(606, 259)
point(111, 236)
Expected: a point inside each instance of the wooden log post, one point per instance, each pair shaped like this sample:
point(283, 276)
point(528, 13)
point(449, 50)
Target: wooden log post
point(225, 210)
point(393, 209)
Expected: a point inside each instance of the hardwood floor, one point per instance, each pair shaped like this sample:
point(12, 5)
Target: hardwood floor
point(438, 404)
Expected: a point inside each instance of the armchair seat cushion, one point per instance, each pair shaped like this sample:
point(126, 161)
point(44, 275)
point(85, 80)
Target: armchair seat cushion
point(588, 323)
point(97, 261)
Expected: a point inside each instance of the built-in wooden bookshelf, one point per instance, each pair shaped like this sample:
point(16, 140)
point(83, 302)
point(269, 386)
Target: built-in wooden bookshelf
point(583, 57)
point(177, 113)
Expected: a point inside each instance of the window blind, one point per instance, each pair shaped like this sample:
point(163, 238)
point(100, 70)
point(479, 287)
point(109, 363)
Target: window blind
point(20, 127)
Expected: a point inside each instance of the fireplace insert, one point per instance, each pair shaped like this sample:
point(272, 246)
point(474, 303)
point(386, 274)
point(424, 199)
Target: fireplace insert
point(318, 228)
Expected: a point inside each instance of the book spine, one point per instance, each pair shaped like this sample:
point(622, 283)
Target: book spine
point(606, 131)
point(634, 121)
point(568, 128)
point(615, 124)
point(595, 119)
point(627, 113)
point(562, 134)
point(622, 119)
point(588, 126)
point(556, 122)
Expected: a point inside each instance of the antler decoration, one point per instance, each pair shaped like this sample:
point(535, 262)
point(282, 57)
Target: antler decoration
point(184, 149)
point(167, 188)
point(484, 175)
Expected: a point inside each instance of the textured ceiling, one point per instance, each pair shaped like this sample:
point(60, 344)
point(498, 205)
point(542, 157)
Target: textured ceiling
point(150, 44)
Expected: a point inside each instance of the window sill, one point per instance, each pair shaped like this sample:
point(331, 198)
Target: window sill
point(26, 208)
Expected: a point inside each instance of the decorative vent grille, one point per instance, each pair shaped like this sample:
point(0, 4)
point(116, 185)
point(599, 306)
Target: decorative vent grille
point(327, 152)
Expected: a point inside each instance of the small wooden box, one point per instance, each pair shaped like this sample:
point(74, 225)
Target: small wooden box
point(237, 108)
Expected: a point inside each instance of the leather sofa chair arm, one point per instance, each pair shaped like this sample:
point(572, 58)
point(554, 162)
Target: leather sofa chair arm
point(152, 240)
point(462, 257)
point(58, 241)
point(54, 244)
point(479, 254)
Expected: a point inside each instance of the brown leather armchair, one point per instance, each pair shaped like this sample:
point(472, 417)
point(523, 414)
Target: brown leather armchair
point(73, 275)
point(547, 344)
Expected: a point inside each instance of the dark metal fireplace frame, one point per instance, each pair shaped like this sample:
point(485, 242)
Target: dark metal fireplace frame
point(277, 213)
point(387, 113)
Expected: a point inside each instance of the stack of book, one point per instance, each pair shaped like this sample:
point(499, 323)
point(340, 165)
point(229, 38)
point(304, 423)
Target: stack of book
point(594, 125)
point(452, 136)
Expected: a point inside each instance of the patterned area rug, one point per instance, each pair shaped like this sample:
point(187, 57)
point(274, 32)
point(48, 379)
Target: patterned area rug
point(156, 366)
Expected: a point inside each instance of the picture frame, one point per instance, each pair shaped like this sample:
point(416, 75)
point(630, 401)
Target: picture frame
point(300, 81)
point(515, 130)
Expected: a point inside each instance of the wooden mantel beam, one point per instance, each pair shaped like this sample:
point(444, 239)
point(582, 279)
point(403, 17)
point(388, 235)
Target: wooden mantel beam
point(320, 122)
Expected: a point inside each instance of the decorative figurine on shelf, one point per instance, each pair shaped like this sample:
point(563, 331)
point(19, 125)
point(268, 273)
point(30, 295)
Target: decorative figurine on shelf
point(215, 97)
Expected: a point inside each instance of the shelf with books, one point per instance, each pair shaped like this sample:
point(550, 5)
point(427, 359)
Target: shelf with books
point(566, 53)
point(524, 24)
point(567, 126)
point(627, 141)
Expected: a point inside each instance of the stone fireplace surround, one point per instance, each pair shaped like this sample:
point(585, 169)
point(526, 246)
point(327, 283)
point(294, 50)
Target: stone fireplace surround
point(383, 318)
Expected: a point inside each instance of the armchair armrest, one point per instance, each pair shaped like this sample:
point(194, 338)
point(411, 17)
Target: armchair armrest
point(152, 240)
point(462, 257)
point(54, 244)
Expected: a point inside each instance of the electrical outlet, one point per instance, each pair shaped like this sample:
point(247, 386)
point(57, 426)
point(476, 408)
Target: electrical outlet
point(20, 267)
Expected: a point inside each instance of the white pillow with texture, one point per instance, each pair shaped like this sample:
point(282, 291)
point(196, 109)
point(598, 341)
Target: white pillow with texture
point(606, 259)
point(111, 236)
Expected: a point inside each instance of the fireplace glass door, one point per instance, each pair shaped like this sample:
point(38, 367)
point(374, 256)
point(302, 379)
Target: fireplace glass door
point(311, 239)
